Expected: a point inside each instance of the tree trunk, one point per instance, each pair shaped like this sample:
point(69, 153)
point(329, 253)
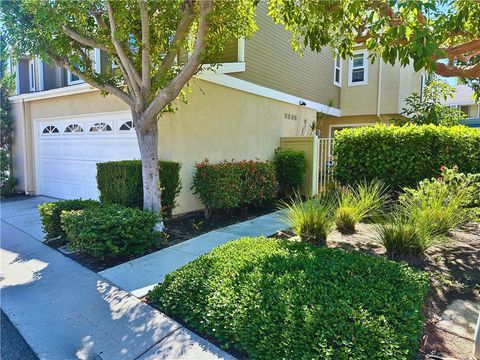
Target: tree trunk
point(147, 135)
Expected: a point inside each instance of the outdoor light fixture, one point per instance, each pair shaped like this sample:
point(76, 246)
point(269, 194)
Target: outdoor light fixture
point(302, 103)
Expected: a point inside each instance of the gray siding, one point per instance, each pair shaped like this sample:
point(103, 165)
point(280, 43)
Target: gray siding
point(271, 62)
point(23, 79)
point(49, 73)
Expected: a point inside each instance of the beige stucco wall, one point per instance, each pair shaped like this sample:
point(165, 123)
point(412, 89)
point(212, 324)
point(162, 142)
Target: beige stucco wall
point(218, 123)
point(224, 124)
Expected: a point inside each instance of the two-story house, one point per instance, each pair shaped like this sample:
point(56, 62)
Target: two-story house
point(262, 91)
point(464, 100)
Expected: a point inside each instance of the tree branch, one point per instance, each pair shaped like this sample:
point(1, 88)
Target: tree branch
point(129, 68)
point(467, 72)
point(84, 40)
point(146, 79)
point(171, 91)
point(179, 37)
point(104, 87)
point(465, 48)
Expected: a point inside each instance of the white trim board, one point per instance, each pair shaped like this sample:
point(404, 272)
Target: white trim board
point(210, 76)
point(330, 127)
point(242, 85)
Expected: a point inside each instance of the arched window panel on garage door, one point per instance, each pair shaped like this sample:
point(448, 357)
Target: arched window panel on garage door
point(50, 129)
point(73, 128)
point(127, 126)
point(100, 127)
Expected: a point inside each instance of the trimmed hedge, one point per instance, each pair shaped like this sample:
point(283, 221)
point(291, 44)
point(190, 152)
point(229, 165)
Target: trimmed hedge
point(290, 167)
point(50, 215)
point(110, 230)
point(120, 182)
point(275, 299)
point(229, 185)
point(403, 156)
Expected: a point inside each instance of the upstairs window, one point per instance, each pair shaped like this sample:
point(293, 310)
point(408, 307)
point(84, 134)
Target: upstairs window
point(337, 72)
point(73, 79)
point(358, 69)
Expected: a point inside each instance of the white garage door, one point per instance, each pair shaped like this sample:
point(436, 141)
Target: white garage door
point(68, 149)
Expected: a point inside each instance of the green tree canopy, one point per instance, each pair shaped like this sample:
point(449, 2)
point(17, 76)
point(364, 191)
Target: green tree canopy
point(442, 36)
point(157, 46)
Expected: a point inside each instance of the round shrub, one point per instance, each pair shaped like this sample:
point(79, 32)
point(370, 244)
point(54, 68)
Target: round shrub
point(290, 167)
point(110, 230)
point(229, 185)
point(273, 299)
point(50, 216)
point(403, 156)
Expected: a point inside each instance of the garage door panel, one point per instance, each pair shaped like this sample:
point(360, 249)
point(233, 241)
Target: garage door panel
point(101, 149)
point(128, 150)
point(75, 172)
point(66, 161)
point(51, 169)
point(73, 148)
point(52, 187)
point(50, 148)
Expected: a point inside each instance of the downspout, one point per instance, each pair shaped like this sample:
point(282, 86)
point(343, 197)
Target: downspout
point(379, 88)
point(25, 162)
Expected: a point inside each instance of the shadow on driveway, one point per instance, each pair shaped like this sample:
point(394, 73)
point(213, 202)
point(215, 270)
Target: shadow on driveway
point(13, 345)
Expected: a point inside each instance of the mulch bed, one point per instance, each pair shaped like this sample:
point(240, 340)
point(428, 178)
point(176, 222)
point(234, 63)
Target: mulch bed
point(178, 229)
point(454, 269)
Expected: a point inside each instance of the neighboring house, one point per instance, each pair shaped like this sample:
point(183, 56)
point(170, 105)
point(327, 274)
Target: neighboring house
point(464, 100)
point(263, 91)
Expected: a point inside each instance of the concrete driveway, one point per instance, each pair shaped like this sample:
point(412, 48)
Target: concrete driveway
point(22, 213)
point(65, 311)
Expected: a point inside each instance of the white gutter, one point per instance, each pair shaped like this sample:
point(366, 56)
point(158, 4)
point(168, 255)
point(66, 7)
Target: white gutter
point(24, 146)
point(379, 89)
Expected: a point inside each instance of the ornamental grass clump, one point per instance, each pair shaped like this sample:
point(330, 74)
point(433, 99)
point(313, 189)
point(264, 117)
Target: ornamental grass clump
point(424, 216)
point(402, 238)
point(364, 201)
point(311, 220)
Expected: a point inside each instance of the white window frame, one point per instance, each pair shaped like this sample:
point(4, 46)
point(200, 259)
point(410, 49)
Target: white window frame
point(31, 75)
point(241, 49)
point(365, 69)
point(41, 75)
point(73, 82)
point(337, 65)
point(95, 55)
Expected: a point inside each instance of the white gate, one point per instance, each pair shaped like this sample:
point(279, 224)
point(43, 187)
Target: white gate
point(325, 162)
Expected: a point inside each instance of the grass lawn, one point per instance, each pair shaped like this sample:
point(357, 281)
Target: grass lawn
point(272, 299)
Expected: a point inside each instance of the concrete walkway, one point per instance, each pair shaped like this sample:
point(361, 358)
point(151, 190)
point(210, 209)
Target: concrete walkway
point(65, 311)
point(140, 275)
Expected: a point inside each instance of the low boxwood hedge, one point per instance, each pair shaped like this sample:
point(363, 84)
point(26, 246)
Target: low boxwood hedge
point(275, 299)
point(120, 182)
point(110, 230)
point(403, 156)
point(50, 216)
point(232, 184)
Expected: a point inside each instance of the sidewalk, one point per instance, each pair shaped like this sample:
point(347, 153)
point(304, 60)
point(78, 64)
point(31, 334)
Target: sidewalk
point(65, 311)
point(139, 276)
